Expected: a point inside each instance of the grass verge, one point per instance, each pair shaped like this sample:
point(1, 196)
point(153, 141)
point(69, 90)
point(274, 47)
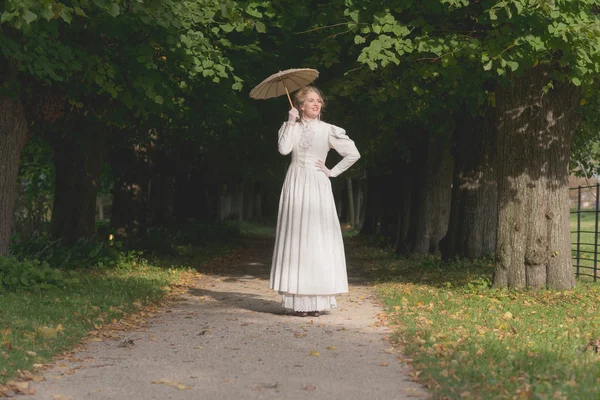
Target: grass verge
point(466, 340)
point(37, 325)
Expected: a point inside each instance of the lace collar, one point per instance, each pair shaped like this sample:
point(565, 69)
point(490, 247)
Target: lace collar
point(309, 122)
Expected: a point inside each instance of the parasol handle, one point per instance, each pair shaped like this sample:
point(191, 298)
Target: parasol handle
point(288, 95)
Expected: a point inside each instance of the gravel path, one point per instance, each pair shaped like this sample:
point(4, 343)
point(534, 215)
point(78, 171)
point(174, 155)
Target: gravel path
point(227, 338)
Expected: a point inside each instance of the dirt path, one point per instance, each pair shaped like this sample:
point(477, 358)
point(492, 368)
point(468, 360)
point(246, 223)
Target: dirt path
point(227, 338)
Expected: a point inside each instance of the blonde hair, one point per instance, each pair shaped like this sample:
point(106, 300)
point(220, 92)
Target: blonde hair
point(300, 98)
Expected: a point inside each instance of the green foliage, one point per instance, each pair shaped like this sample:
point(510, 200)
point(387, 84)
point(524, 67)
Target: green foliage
point(32, 275)
point(180, 241)
point(36, 188)
point(83, 255)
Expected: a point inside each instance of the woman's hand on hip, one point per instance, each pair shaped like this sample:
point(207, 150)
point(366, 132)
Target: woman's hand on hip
point(321, 165)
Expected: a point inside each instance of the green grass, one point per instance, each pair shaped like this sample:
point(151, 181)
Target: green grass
point(586, 257)
point(466, 340)
point(34, 327)
point(27, 320)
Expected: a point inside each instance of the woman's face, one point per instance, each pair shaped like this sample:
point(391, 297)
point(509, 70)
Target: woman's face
point(312, 105)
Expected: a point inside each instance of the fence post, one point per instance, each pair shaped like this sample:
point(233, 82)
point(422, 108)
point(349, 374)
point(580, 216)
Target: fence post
point(578, 227)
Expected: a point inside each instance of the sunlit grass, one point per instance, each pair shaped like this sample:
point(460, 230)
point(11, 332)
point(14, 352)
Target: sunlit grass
point(466, 340)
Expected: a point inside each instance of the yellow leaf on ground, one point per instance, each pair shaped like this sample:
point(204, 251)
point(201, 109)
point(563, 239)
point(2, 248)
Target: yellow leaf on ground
point(171, 383)
point(60, 397)
point(507, 315)
point(331, 348)
point(48, 333)
point(314, 353)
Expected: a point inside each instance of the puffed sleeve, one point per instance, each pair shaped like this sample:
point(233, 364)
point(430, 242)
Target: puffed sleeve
point(339, 141)
point(287, 135)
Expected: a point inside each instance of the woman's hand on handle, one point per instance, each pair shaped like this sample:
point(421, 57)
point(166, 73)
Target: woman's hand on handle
point(293, 115)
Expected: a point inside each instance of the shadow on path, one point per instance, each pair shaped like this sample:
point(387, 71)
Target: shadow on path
point(248, 301)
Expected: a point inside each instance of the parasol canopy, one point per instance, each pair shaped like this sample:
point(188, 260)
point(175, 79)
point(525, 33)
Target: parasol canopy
point(284, 82)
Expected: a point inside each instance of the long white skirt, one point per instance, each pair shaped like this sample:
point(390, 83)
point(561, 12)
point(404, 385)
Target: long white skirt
point(298, 302)
point(308, 258)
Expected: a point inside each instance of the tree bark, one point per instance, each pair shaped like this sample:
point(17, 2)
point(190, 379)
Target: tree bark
point(435, 193)
point(78, 161)
point(474, 211)
point(13, 135)
point(131, 167)
point(404, 243)
point(372, 202)
point(351, 212)
point(535, 131)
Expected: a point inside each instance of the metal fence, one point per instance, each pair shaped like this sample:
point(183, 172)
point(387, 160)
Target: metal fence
point(584, 229)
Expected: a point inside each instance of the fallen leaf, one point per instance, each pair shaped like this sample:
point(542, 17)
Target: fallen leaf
point(383, 364)
point(20, 387)
point(5, 391)
point(31, 353)
point(331, 348)
point(314, 353)
point(507, 315)
point(48, 333)
point(60, 397)
point(390, 350)
point(25, 375)
point(171, 383)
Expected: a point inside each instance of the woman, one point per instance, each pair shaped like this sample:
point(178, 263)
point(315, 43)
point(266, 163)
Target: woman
point(309, 266)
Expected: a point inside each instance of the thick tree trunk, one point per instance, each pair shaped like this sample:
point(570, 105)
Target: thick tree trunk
point(474, 212)
point(78, 162)
point(435, 194)
point(13, 135)
point(534, 144)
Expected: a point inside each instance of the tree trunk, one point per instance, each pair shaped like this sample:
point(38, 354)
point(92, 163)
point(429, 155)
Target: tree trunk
point(535, 130)
point(249, 197)
point(359, 196)
point(13, 135)
point(78, 161)
point(350, 208)
point(435, 194)
point(474, 212)
point(404, 243)
point(131, 171)
point(369, 227)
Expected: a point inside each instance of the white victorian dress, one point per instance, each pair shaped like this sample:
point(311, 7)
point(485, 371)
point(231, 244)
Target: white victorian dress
point(309, 265)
